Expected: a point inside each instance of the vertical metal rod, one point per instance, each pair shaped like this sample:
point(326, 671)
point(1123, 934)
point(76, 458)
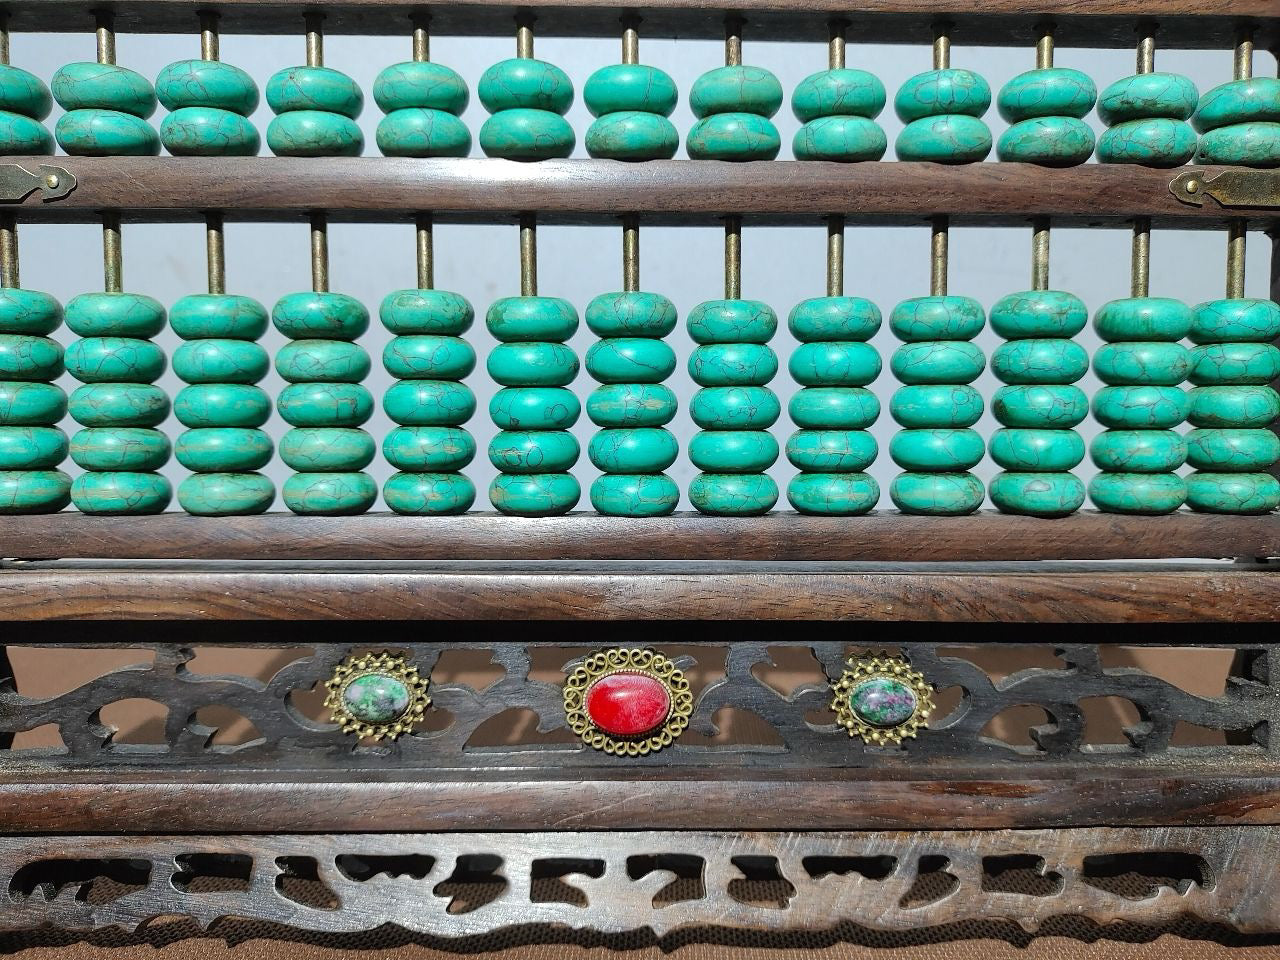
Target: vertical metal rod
point(9, 250)
point(1147, 50)
point(524, 36)
point(1044, 48)
point(208, 35)
point(732, 41)
point(938, 256)
point(1235, 259)
point(315, 40)
point(213, 238)
point(836, 46)
point(319, 252)
point(4, 37)
point(631, 253)
point(112, 258)
point(835, 255)
point(528, 255)
point(1140, 266)
point(421, 38)
point(1040, 254)
point(1243, 65)
point(942, 45)
point(426, 251)
point(732, 257)
point(106, 37)
point(630, 39)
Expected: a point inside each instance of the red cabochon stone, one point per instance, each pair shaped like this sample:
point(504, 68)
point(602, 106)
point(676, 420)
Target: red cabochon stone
point(627, 704)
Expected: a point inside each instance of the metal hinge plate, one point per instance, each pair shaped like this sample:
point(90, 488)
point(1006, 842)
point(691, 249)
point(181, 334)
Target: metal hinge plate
point(1231, 188)
point(17, 183)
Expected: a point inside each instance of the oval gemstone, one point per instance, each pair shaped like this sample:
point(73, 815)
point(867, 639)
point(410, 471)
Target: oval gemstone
point(376, 698)
point(882, 702)
point(627, 704)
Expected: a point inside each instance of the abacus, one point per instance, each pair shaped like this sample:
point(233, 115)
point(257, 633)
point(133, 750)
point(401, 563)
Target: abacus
point(891, 508)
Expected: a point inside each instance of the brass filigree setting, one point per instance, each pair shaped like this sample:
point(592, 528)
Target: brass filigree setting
point(377, 696)
point(882, 700)
point(645, 663)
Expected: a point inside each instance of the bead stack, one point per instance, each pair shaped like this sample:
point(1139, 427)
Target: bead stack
point(1146, 115)
point(422, 102)
point(837, 108)
point(316, 106)
point(733, 105)
point(1046, 107)
point(631, 104)
point(24, 102)
point(209, 103)
point(942, 110)
point(1239, 122)
point(527, 99)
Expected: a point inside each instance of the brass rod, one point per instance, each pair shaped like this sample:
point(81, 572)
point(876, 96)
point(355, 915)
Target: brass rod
point(208, 35)
point(1044, 48)
point(1147, 51)
point(938, 257)
point(835, 255)
point(9, 250)
point(106, 37)
point(732, 41)
point(112, 258)
point(319, 252)
point(528, 255)
point(421, 39)
point(524, 37)
point(1235, 259)
point(631, 253)
point(942, 45)
point(732, 257)
point(315, 40)
point(4, 37)
point(836, 46)
point(1243, 65)
point(216, 252)
point(426, 251)
point(630, 40)
point(1140, 266)
point(1040, 254)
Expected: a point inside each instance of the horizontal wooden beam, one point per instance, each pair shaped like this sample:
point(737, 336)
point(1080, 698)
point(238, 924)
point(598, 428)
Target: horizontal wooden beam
point(600, 191)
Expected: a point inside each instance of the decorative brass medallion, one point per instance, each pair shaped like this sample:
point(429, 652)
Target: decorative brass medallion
point(881, 699)
point(627, 702)
point(377, 696)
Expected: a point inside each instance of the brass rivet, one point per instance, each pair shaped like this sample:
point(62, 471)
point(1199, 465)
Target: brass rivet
point(52, 180)
point(1193, 186)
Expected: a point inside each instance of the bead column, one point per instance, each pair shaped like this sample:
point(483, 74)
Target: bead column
point(1146, 115)
point(210, 102)
point(1046, 107)
point(838, 107)
point(733, 105)
point(631, 103)
point(942, 110)
point(423, 102)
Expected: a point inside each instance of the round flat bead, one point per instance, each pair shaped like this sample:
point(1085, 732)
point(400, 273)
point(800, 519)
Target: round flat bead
point(534, 408)
point(1051, 92)
point(119, 405)
point(833, 494)
point(1143, 318)
point(121, 493)
point(327, 449)
point(21, 136)
point(324, 405)
point(1155, 142)
point(106, 133)
point(1037, 450)
point(538, 364)
point(1141, 407)
point(1040, 361)
point(1244, 144)
point(429, 449)
point(733, 494)
point(429, 403)
point(1235, 321)
point(114, 360)
point(732, 321)
point(833, 363)
point(835, 408)
point(938, 92)
point(834, 318)
point(314, 133)
point(429, 494)
point(1143, 493)
point(120, 448)
point(840, 138)
point(1039, 406)
point(428, 358)
point(417, 83)
point(223, 449)
point(733, 364)
point(938, 449)
point(516, 319)
point(524, 134)
point(1232, 451)
point(1233, 492)
point(630, 86)
point(29, 358)
point(34, 491)
point(632, 405)
point(839, 92)
point(1255, 100)
point(328, 316)
point(1234, 363)
point(226, 494)
point(1138, 451)
point(421, 132)
point(103, 86)
point(329, 494)
point(631, 360)
point(936, 494)
point(640, 450)
point(31, 404)
point(832, 451)
point(534, 451)
point(1037, 494)
point(115, 315)
point(1047, 141)
point(631, 314)
point(733, 451)
point(1038, 313)
point(632, 135)
point(29, 312)
point(737, 89)
point(733, 136)
point(938, 361)
point(735, 408)
point(206, 132)
point(221, 361)
point(207, 83)
point(882, 702)
point(634, 495)
point(23, 93)
point(951, 138)
point(221, 405)
point(534, 495)
point(1161, 364)
point(1239, 406)
point(32, 448)
point(314, 90)
point(217, 316)
point(1147, 95)
point(525, 83)
point(435, 312)
point(937, 318)
point(627, 704)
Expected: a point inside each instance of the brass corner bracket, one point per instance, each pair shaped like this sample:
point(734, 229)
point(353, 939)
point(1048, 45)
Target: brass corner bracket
point(17, 183)
point(1231, 188)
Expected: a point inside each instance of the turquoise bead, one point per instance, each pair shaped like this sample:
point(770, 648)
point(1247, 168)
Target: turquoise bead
point(1234, 363)
point(838, 93)
point(737, 89)
point(23, 93)
point(324, 405)
point(216, 316)
point(642, 450)
point(733, 136)
point(34, 491)
point(121, 493)
point(1041, 361)
point(120, 448)
point(420, 132)
point(937, 318)
point(1155, 142)
point(417, 83)
point(1051, 92)
point(733, 321)
point(1237, 406)
point(206, 132)
point(22, 136)
point(534, 408)
point(1235, 321)
point(631, 314)
point(1232, 451)
point(527, 135)
point(525, 83)
point(429, 403)
point(951, 138)
point(329, 494)
point(1138, 451)
point(1162, 364)
point(226, 494)
point(630, 86)
point(515, 319)
point(1243, 144)
point(937, 449)
point(833, 363)
point(634, 495)
point(29, 311)
point(537, 364)
point(631, 360)
point(314, 133)
point(1038, 313)
point(321, 361)
point(632, 405)
point(939, 361)
point(534, 495)
point(433, 312)
point(834, 318)
point(833, 494)
point(221, 405)
point(947, 405)
point(735, 408)
point(32, 448)
point(538, 451)
point(732, 364)
point(429, 494)
point(118, 405)
point(1143, 318)
point(326, 316)
point(221, 361)
point(936, 494)
point(1144, 493)
point(1037, 450)
point(834, 408)
point(1048, 141)
point(733, 494)
point(632, 135)
point(1255, 100)
point(103, 86)
point(207, 83)
point(1233, 492)
point(1037, 494)
point(939, 92)
point(115, 315)
point(840, 138)
point(428, 358)
point(429, 449)
point(115, 360)
point(223, 449)
point(29, 358)
point(1141, 407)
point(106, 133)
point(1148, 95)
point(327, 449)
point(31, 404)
point(732, 451)
point(832, 451)
point(314, 90)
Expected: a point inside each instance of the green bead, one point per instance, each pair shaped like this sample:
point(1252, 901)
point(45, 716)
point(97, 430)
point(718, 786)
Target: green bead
point(632, 405)
point(32, 448)
point(1255, 100)
point(226, 494)
point(936, 494)
point(737, 89)
point(733, 136)
point(28, 311)
point(314, 90)
point(834, 318)
point(1143, 493)
point(1235, 321)
point(31, 404)
point(22, 136)
point(206, 132)
point(945, 450)
point(314, 133)
point(735, 408)
point(327, 449)
point(420, 132)
point(643, 450)
point(106, 133)
point(1245, 144)
point(130, 449)
point(832, 451)
point(121, 493)
point(527, 135)
point(834, 408)
point(840, 138)
point(939, 92)
point(631, 360)
point(221, 361)
point(221, 405)
point(631, 314)
point(1147, 95)
point(1037, 450)
point(324, 405)
point(323, 361)
point(1162, 364)
point(534, 408)
point(630, 86)
point(950, 405)
point(433, 312)
point(1234, 363)
point(534, 495)
point(34, 491)
point(329, 494)
point(1037, 494)
point(733, 494)
point(1143, 318)
point(207, 83)
point(632, 135)
point(1047, 141)
point(114, 360)
point(428, 358)
point(534, 451)
point(29, 358)
point(517, 319)
point(634, 495)
point(1232, 451)
point(1047, 92)
point(732, 451)
point(937, 318)
point(23, 93)
point(223, 449)
point(429, 449)
point(833, 494)
point(218, 316)
point(1038, 406)
point(939, 361)
point(119, 405)
point(838, 92)
point(833, 363)
point(1038, 313)
point(103, 86)
point(1155, 142)
point(115, 315)
point(1141, 407)
point(1138, 451)
point(733, 364)
point(429, 403)
point(1239, 406)
point(951, 138)
point(429, 494)
point(732, 321)
point(538, 364)
point(525, 83)
point(1040, 361)
point(1233, 492)
point(417, 83)
point(320, 316)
